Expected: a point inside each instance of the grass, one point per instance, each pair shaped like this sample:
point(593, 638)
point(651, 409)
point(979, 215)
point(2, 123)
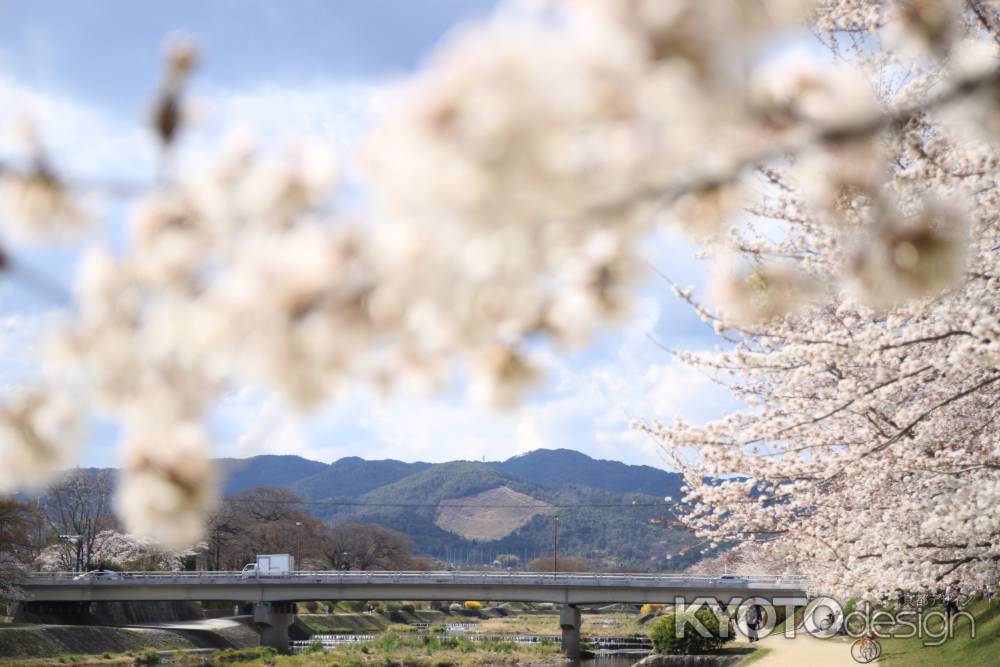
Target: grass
point(31, 641)
point(618, 625)
point(387, 651)
point(231, 655)
point(342, 623)
point(394, 649)
point(961, 649)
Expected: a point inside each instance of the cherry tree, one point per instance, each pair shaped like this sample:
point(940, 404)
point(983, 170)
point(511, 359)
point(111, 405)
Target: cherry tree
point(867, 455)
point(846, 198)
point(120, 549)
point(11, 571)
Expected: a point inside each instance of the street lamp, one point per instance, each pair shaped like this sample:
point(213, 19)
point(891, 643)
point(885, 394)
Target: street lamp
point(298, 540)
point(555, 545)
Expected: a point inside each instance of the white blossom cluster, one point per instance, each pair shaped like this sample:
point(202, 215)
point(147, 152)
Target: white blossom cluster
point(121, 549)
point(512, 188)
point(865, 342)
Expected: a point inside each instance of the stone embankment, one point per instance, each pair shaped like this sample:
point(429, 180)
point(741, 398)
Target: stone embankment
point(689, 661)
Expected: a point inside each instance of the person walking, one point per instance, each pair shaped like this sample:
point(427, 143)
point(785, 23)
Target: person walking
point(951, 593)
point(755, 615)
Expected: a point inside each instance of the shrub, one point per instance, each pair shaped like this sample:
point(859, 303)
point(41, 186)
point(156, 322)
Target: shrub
point(665, 639)
point(432, 644)
point(148, 656)
point(315, 646)
point(389, 641)
point(497, 647)
point(243, 654)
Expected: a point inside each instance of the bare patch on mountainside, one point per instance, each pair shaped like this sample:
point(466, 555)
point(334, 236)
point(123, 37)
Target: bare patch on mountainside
point(496, 513)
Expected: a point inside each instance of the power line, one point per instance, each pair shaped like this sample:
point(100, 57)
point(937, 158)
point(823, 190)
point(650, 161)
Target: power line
point(442, 504)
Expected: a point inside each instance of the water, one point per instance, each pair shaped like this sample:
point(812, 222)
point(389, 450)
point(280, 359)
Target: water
point(635, 649)
point(635, 645)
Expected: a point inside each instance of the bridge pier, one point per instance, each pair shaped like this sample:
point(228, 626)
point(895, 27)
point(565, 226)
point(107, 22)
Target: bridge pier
point(570, 621)
point(273, 620)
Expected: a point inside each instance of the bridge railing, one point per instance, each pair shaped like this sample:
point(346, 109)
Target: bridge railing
point(432, 577)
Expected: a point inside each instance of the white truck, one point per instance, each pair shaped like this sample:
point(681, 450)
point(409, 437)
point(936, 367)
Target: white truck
point(270, 565)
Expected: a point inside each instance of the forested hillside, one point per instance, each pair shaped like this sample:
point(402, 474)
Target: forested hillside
point(556, 467)
point(610, 513)
point(352, 476)
point(601, 517)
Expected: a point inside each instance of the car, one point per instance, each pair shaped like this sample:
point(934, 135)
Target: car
point(730, 579)
point(99, 575)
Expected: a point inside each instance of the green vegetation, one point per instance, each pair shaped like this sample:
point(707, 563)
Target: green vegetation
point(554, 467)
point(625, 625)
point(41, 641)
point(599, 530)
point(267, 469)
point(253, 654)
point(665, 640)
point(961, 649)
point(398, 649)
point(148, 656)
point(354, 476)
point(318, 624)
point(609, 537)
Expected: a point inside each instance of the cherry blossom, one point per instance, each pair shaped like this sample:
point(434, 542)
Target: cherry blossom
point(848, 199)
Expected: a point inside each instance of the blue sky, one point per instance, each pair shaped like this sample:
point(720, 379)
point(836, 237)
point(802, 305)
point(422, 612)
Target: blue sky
point(86, 71)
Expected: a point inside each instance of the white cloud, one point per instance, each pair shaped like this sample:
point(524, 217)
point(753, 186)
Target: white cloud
point(85, 139)
point(20, 336)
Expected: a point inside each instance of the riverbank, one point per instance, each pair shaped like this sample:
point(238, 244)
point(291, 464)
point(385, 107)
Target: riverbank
point(961, 649)
point(29, 641)
point(40, 641)
point(382, 653)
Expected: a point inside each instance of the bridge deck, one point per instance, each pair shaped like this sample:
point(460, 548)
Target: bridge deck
point(564, 588)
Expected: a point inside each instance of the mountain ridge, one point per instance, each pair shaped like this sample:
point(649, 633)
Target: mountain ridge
point(610, 512)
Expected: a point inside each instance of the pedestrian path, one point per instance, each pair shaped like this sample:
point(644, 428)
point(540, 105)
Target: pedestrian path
point(806, 651)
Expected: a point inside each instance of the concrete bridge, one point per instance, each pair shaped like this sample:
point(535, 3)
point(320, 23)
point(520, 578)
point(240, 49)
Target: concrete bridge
point(274, 597)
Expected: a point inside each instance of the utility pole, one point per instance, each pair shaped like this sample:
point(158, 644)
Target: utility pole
point(555, 544)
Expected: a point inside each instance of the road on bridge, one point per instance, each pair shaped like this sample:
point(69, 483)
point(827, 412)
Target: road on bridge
point(561, 588)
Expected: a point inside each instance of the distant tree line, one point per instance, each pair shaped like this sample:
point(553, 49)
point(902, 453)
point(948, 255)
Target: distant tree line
point(72, 527)
point(268, 519)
